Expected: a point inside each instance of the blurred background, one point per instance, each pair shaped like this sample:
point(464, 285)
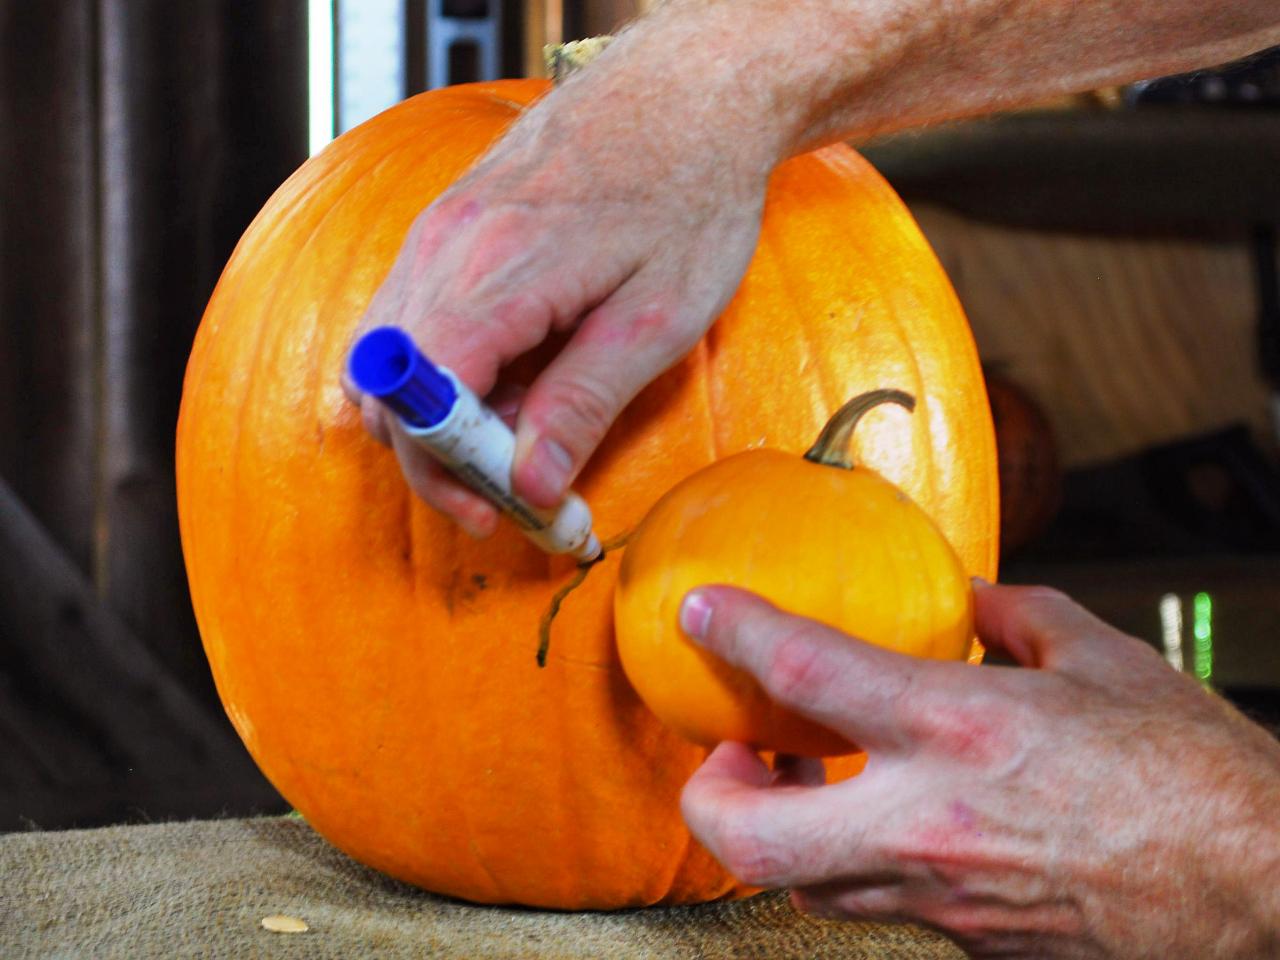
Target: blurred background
point(1116, 253)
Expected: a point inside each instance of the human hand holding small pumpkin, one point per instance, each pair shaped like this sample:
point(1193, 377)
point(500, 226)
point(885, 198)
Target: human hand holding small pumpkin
point(1096, 804)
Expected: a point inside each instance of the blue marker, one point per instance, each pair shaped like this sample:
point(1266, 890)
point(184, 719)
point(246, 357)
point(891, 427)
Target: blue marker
point(468, 438)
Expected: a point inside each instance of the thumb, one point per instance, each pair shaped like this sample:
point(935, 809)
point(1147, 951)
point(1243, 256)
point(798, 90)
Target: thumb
point(614, 355)
point(1037, 626)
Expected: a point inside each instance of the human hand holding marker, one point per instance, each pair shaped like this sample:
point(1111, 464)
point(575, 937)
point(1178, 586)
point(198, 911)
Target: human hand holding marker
point(468, 439)
point(622, 208)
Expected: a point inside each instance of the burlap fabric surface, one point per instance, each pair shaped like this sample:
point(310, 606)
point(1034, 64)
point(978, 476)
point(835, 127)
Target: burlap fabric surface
point(203, 889)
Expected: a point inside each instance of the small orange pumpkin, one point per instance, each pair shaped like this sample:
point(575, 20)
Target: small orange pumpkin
point(380, 666)
point(816, 536)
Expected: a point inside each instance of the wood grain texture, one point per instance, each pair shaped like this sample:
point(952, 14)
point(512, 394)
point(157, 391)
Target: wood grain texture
point(190, 149)
point(140, 139)
point(1125, 341)
point(49, 347)
point(1176, 169)
point(87, 712)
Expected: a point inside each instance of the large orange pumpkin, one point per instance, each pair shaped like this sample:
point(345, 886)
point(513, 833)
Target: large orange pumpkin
point(379, 665)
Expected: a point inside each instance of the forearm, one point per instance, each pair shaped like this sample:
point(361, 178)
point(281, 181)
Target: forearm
point(800, 73)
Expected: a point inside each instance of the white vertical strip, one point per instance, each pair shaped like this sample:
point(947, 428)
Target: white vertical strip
point(320, 72)
point(1171, 629)
point(371, 59)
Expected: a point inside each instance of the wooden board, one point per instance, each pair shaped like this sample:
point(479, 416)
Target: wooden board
point(1125, 341)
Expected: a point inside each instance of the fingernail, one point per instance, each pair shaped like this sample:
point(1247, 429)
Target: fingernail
point(477, 529)
point(695, 616)
point(549, 466)
point(980, 582)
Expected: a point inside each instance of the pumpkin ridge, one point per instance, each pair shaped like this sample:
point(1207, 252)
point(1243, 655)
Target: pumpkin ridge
point(812, 365)
point(921, 417)
point(832, 161)
point(410, 550)
point(921, 420)
point(189, 531)
point(248, 408)
point(499, 891)
point(706, 362)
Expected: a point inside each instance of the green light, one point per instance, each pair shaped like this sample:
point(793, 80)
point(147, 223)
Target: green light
point(1202, 631)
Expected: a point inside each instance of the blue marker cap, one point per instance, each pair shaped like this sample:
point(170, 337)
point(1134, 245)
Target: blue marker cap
point(386, 363)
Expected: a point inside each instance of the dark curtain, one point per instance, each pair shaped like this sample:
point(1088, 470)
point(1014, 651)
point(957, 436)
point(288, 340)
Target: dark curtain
point(137, 140)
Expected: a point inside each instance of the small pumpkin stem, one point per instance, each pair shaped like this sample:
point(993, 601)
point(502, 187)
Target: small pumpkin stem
point(832, 446)
point(548, 618)
point(562, 59)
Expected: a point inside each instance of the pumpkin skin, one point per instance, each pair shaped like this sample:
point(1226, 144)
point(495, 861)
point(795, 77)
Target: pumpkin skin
point(380, 665)
point(838, 545)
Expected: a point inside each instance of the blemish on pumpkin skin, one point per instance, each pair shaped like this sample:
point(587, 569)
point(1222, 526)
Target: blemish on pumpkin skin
point(458, 591)
point(451, 592)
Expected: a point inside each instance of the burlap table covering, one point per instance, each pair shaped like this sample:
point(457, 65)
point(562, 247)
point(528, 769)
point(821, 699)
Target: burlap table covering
point(202, 890)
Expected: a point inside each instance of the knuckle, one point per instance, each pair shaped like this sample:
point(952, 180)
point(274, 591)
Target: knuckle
point(941, 844)
point(872, 903)
point(522, 314)
point(897, 700)
point(374, 422)
point(654, 324)
point(432, 227)
point(797, 672)
point(682, 335)
point(984, 730)
point(968, 735)
point(959, 921)
point(1040, 611)
point(586, 407)
point(1036, 602)
point(747, 855)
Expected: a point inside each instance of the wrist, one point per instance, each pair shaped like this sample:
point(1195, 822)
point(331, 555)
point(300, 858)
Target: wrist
point(1241, 839)
point(710, 74)
point(1257, 856)
point(788, 75)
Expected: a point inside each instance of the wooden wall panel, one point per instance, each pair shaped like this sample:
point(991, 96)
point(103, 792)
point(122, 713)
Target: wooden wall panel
point(1126, 341)
point(95, 730)
point(189, 152)
point(609, 16)
point(49, 346)
point(139, 140)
